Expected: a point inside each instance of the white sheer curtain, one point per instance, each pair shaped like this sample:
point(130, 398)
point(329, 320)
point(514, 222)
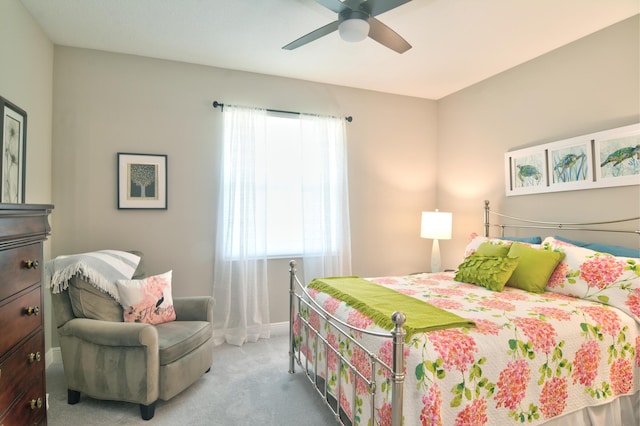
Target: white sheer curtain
point(242, 244)
point(325, 198)
point(240, 268)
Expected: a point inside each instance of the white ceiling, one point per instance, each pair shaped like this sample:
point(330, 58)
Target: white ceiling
point(456, 43)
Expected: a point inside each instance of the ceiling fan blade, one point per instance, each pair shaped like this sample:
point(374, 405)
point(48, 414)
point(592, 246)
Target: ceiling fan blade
point(336, 5)
point(313, 35)
point(376, 7)
point(386, 36)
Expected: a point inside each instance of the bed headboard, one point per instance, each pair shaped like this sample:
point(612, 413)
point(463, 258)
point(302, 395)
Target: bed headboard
point(632, 225)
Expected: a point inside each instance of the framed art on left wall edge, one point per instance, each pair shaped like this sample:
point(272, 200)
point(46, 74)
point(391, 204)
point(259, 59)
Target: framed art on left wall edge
point(13, 144)
point(142, 181)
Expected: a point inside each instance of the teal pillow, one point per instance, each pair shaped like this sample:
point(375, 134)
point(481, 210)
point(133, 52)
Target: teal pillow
point(530, 240)
point(491, 272)
point(619, 251)
point(489, 249)
point(535, 267)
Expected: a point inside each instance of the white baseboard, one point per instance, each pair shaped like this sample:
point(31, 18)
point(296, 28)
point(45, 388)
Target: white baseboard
point(53, 355)
point(279, 328)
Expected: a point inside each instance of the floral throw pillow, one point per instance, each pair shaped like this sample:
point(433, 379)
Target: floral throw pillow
point(601, 277)
point(148, 300)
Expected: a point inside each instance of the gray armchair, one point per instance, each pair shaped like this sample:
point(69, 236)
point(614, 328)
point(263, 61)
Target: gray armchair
point(106, 358)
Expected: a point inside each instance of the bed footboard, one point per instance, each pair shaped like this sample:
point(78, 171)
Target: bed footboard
point(303, 333)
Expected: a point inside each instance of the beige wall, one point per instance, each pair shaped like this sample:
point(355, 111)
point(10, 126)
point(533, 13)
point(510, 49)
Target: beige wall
point(107, 103)
point(590, 85)
point(405, 154)
point(26, 73)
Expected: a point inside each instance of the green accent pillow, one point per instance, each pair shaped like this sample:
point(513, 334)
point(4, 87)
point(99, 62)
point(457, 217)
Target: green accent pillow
point(535, 267)
point(491, 249)
point(491, 272)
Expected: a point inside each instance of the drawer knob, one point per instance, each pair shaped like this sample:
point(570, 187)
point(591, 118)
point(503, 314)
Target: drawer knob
point(33, 310)
point(31, 264)
point(35, 403)
point(34, 357)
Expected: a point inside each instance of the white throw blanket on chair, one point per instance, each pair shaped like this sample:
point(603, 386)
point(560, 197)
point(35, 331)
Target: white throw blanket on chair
point(100, 268)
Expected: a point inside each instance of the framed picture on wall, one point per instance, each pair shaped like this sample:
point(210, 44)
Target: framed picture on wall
point(526, 171)
point(13, 143)
point(570, 164)
point(597, 160)
point(142, 181)
point(617, 154)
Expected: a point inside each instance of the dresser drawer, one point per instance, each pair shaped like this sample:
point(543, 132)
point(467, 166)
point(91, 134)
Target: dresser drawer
point(23, 228)
point(29, 409)
point(24, 365)
point(16, 320)
point(16, 271)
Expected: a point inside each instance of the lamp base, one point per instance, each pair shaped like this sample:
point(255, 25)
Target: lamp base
point(435, 257)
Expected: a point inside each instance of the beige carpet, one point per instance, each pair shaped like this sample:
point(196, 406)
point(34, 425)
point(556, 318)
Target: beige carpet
point(248, 385)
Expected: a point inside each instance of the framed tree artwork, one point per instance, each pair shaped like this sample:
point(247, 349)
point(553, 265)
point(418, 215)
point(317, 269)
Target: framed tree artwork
point(142, 181)
point(13, 143)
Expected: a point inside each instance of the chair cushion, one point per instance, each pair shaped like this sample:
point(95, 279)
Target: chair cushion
point(89, 302)
point(178, 338)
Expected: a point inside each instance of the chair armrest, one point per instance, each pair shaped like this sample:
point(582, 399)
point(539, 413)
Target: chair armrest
point(107, 333)
point(195, 308)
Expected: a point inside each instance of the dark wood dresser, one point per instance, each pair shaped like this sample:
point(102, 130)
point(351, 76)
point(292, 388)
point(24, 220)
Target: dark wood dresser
point(23, 228)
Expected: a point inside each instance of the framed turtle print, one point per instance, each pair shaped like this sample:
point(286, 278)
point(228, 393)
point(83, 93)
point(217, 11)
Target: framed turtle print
point(570, 164)
point(597, 160)
point(13, 144)
point(526, 171)
point(617, 156)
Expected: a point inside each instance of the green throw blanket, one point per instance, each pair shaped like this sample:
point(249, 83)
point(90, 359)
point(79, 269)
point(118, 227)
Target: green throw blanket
point(379, 303)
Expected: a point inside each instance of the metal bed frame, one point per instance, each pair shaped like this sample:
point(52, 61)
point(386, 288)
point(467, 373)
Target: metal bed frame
point(299, 300)
point(519, 223)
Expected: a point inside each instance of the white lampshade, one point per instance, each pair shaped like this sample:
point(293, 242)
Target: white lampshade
point(436, 225)
point(353, 30)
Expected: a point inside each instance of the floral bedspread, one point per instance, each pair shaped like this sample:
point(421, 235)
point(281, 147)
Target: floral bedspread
point(531, 357)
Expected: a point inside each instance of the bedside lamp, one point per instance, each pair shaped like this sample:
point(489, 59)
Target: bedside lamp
point(436, 226)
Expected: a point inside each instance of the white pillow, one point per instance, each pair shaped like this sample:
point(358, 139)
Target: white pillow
point(600, 277)
point(475, 240)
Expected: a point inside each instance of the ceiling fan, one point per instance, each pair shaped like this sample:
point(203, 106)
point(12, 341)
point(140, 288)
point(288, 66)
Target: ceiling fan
point(356, 21)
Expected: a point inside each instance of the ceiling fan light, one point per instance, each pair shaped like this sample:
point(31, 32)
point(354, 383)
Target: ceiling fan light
point(353, 30)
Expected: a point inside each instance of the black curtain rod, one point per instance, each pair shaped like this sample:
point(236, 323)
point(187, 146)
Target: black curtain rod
point(217, 104)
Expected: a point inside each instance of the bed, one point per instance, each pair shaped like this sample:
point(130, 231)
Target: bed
point(555, 342)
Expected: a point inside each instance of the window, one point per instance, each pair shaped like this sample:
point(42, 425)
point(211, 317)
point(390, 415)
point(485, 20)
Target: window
point(284, 190)
point(283, 186)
